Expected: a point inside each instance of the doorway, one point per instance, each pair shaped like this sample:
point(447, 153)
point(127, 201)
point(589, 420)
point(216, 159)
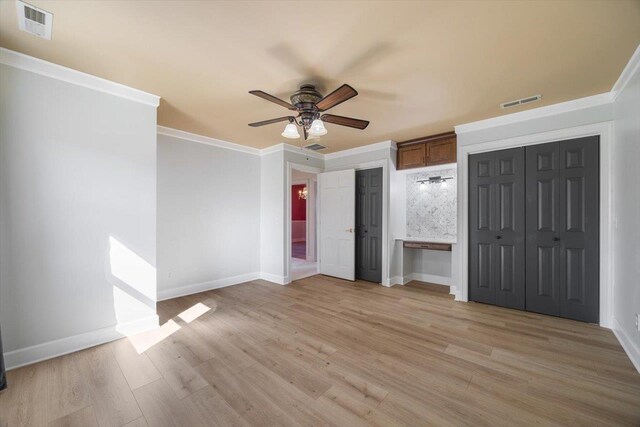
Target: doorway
point(303, 259)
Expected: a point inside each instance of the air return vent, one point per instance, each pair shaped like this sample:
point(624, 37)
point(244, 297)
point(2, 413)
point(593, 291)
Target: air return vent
point(315, 147)
point(521, 101)
point(34, 20)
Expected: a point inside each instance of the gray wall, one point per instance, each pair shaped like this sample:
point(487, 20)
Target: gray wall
point(77, 200)
point(208, 215)
point(626, 209)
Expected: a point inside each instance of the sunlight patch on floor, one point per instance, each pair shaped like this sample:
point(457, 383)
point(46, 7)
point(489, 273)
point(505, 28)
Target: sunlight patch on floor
point(191, 314)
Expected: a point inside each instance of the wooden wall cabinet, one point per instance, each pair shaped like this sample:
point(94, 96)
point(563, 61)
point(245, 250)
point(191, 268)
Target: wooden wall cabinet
point(427, 151)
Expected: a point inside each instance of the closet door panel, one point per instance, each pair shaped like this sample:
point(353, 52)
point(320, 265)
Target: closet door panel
point(482, 225)
point(509, 237)
point(542, 217)
point(579, 228)
point(496, 228)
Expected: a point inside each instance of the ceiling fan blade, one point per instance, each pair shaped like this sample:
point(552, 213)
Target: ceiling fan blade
point(265, 95)
point(345, 121)
point(336, 97)
point(268, 122)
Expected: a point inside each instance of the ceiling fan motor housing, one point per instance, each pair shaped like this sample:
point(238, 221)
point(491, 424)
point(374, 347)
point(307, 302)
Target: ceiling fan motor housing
point(305, 99)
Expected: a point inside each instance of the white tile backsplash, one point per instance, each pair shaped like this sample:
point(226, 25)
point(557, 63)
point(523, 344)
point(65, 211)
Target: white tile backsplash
point(431, 212)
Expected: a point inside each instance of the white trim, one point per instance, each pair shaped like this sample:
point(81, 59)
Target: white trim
point(629, 70)
point(292, 149)
point(537, 113)
point(430, 278)
point(277, 148)
point(627, 344)
point(362, 149)
point(196, 288)
point(187, 136)
point(48, 350)
point(274, 278)
point(58, 72)
point(605, 131)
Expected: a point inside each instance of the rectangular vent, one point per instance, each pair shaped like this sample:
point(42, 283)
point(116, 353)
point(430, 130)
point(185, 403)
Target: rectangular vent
point(315, 147)
point(521, 101)
point(34, 20)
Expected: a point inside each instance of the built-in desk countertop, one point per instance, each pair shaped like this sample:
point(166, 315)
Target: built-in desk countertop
point(429, 244)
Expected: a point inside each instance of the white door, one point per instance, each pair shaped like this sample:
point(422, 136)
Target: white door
point(337, 222)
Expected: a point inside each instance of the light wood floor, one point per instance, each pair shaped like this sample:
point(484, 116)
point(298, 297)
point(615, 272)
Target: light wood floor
point(328, 352)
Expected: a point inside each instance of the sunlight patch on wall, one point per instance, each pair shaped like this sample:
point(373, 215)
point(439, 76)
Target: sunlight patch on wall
point(129, 267)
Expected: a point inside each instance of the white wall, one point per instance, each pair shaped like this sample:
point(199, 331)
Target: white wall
point(626, 209)
point(208, 216)
point(77, 213)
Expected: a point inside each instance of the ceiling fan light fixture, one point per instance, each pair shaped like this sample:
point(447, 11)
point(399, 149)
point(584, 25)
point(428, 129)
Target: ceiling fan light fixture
point(291, 131)
point(317, 128)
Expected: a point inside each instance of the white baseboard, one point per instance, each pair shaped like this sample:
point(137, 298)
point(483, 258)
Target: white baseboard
point(629, 346)
point(206, 286)
point(48, 350)
point(430, 278)
point(280, 280)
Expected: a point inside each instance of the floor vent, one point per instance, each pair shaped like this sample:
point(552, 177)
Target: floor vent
point(315, 147)
point(521, 101)
point(34, 20)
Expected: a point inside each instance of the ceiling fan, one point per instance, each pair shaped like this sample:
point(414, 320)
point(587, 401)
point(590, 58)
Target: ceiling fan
point(309, 103)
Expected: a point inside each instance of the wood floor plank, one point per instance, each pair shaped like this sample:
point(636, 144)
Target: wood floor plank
point(324, 351)
point(85, 417)
point(111, 397)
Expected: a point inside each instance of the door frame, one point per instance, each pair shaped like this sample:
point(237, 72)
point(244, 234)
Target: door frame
point(605, 131)
point(385, 165)
point(287, 233)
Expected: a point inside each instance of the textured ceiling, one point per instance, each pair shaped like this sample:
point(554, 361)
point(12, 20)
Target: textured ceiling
point(420, 67)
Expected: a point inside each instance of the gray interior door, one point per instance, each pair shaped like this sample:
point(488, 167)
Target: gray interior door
point(496, 228)
point(562, 266)
point(369, 225)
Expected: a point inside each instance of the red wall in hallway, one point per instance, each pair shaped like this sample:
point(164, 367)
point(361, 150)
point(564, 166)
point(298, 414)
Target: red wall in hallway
point(298, 206)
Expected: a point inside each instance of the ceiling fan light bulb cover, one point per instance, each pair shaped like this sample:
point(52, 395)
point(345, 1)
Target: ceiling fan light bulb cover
point(291, 131)
point(317, 128)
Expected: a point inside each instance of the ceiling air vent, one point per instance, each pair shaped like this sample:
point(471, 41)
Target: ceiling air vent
point(34, 20)
point(521, 101)
point(315, 147)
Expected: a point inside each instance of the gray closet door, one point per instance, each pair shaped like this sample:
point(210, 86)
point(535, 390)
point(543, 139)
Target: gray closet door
point(369, 225)
point(563, 229)
point(496, 228)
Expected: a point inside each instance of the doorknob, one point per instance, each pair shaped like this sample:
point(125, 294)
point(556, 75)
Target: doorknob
point(349, 230)
point(498, 237)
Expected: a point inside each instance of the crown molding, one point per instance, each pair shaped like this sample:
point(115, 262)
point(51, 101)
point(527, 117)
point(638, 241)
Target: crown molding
point(291, 149)
point(188, 136)
point(78, 78)
point(629, 71)
point(537, 113)
point(362, 149)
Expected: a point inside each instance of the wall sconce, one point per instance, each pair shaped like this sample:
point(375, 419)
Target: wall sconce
point(302, 194)
point(433, 180)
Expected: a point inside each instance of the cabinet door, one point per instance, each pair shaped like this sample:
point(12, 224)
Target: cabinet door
point(412, 156)
point(441, 152)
